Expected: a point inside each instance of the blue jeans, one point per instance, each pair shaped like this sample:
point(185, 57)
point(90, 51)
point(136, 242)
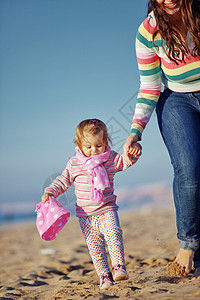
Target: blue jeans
point(179, 122)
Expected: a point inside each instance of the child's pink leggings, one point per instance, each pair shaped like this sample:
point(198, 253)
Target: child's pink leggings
point(99, 229)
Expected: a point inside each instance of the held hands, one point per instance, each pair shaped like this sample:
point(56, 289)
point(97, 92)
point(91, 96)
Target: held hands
point(131, 147)
point(45, 197)
point(135, 150)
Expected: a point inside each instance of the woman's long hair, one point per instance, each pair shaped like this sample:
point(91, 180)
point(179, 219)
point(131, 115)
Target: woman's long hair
point(190, 12)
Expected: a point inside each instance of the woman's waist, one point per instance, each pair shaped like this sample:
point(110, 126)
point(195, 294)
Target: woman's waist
point(187, 87)
point(182, 83)
point(188, 92)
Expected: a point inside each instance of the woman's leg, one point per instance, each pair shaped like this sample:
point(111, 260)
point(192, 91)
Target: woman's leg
point(179, 122)
point(96, 244)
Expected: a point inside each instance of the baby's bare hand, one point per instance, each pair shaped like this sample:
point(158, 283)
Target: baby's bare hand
point(135, 150)
point(132, 139)
point(45, 197)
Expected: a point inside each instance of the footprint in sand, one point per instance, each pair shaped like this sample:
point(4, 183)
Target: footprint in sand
point(33, 283)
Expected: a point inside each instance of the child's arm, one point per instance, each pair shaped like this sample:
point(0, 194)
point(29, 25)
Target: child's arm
point(122, 161)
point(59, 185)
point(134, 152)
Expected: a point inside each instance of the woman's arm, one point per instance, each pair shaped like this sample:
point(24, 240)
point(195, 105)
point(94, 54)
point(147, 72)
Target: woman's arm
point(150, 81)
point(150, 77)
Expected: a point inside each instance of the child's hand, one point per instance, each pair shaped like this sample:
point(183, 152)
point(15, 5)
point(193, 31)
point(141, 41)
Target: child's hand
point(135, 150)
point(132, 139)
point(45, 197)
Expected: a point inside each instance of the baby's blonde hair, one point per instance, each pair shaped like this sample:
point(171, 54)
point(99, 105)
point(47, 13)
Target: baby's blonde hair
point(91, 126)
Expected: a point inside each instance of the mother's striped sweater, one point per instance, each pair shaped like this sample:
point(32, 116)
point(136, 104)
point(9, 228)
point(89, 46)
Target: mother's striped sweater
point(155, 67)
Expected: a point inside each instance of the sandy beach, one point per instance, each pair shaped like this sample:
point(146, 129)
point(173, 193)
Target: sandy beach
point(62, 269)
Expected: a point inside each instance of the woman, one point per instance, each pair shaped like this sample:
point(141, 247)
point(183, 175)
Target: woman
point(168, 51)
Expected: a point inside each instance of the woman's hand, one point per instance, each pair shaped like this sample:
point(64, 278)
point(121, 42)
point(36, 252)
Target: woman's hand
point(45, 197)
point(130, 144)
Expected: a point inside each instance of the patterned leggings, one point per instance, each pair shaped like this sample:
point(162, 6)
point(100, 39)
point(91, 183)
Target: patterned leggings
point(100, 229)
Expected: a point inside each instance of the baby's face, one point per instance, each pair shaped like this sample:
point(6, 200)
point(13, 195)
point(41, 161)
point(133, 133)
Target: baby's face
point(93, 144)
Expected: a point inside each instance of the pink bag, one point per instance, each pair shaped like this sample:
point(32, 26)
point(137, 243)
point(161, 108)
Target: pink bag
point(51, 218)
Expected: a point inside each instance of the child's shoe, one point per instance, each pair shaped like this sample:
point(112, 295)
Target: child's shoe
point(105, 280)
point(119, 273)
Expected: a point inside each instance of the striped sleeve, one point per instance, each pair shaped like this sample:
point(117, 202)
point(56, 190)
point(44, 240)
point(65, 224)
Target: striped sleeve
point(120, 163)
point(150, 77)
point(61, 183)
point(154, 66)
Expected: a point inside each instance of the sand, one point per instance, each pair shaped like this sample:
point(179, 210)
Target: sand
point(31, 268)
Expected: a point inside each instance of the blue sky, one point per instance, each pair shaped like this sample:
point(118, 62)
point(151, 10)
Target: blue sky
point(62, 61)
